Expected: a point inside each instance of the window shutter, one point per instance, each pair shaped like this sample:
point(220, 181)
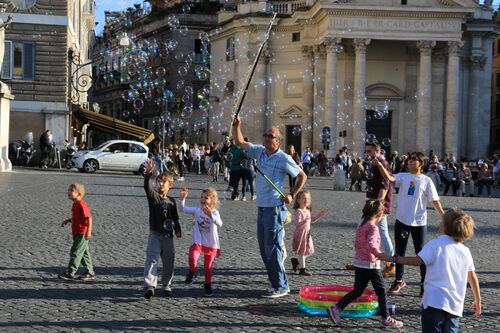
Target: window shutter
point(28, 61)
point(7, 59)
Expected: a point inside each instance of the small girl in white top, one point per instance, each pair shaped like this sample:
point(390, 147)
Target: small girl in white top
point(205, 236)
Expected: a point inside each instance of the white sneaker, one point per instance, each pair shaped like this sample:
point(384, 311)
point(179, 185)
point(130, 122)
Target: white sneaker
point(254, 197)
point(243, 199)
point(180, 179)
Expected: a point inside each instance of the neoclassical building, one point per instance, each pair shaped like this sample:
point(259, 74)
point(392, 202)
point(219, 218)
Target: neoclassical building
point(414, 73)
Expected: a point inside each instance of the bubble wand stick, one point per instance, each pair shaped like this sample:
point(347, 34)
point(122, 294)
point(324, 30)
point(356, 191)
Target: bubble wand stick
point(241, 96)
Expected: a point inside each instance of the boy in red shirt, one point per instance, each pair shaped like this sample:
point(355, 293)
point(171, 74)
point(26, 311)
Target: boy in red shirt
point(81, 229)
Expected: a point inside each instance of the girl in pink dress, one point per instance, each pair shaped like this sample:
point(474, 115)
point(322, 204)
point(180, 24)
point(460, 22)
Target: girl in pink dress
point(302, 241)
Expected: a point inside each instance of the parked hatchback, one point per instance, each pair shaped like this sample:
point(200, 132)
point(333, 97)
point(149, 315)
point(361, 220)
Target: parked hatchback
point(120, 155)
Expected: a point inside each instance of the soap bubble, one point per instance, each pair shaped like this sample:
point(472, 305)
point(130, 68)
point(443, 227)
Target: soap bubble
point(182, 71)
point(187, 112)
point(296, 130)
point(386, 142)
point(371, 138)
point(126, 113)
point(161, 71)
point(204, 105)
point(229, 156)
point(405, 234)
point(138, 104)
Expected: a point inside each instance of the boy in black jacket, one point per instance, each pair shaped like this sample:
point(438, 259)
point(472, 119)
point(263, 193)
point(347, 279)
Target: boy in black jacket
point(163, 223)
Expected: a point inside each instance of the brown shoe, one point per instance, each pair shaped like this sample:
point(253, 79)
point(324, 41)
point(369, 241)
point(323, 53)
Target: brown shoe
point(305, 272)
point(389, 271)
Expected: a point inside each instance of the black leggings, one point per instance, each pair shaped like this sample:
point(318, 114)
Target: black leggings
point(401, 234)
point(361, 278)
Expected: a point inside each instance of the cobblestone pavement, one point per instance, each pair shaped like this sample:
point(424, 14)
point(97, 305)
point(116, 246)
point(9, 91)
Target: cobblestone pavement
point(35, 249)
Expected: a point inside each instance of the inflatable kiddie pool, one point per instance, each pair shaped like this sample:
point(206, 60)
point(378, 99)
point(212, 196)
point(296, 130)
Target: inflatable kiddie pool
point(315, 300)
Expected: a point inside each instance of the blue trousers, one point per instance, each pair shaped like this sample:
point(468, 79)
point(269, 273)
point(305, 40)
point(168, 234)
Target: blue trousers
point(269, 233)
point(439, 321)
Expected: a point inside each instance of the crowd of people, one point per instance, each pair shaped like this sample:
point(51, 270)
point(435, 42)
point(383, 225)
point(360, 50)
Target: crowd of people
point(446, 265)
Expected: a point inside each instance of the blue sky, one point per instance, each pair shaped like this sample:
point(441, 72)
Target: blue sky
point(111, 5)
point(104, 5)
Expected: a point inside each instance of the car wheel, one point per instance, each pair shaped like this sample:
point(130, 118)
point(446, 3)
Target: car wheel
point(90, 166)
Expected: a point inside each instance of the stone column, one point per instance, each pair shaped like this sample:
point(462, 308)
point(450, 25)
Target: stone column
point(331, 90)
point(318, 110)
point(424, 95)
point(451, 129)
point(477, 63)
point(308, 96)
point(5, 98)
point(359, 98)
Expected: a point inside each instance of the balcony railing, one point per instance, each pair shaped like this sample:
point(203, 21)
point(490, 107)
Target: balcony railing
point(282, 7)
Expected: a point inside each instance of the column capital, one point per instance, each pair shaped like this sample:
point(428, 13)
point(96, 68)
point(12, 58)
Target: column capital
point(425, 46)
point(360, 44)
point(307, 51)
point(477, 62)
point(454, 48)
point(333, 44)
point(319, 51)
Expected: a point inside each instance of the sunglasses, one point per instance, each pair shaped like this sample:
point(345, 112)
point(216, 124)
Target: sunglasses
point(269, 136)
point(416, 158)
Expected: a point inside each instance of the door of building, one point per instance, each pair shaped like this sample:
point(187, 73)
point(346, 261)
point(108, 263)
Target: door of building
point(293, 137)
point(381, 128)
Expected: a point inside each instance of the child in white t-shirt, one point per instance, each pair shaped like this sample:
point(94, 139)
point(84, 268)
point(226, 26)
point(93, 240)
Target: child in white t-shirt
point(415, 191)
point(205, 235)
point(449, 267)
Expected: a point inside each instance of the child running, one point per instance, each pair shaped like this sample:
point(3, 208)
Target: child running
point(81, 229)
point(163, 222)
point(415, 191)
point(449, 267)
point(367, 265)
point(205, 236)
point(302, 241)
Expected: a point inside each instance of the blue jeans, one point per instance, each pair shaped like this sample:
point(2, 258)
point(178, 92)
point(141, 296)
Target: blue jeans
point(439, 321)
point(384, 236)
point(269, 233)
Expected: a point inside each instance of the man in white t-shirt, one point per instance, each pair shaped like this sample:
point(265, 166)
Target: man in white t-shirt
point(449, 267)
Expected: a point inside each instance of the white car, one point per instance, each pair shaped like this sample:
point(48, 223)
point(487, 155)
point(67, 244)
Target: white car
point(121, 155)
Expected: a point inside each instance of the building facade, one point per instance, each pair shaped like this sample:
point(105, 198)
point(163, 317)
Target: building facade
point(37, 67)
point(495, 94)
point(415, 75)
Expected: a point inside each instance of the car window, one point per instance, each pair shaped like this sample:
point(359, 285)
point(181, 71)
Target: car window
point(118, 147)
point(137, 149)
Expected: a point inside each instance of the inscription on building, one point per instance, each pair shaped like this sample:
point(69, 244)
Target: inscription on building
point(391, 24)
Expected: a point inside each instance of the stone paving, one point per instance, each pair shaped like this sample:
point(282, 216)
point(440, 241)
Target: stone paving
point(35, 249)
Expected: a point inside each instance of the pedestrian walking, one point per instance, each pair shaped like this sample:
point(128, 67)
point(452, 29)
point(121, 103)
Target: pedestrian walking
point(81, 229)
point(207, 220)
point(272, 212)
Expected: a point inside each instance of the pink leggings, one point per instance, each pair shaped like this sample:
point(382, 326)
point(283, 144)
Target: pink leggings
point(208, 263)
